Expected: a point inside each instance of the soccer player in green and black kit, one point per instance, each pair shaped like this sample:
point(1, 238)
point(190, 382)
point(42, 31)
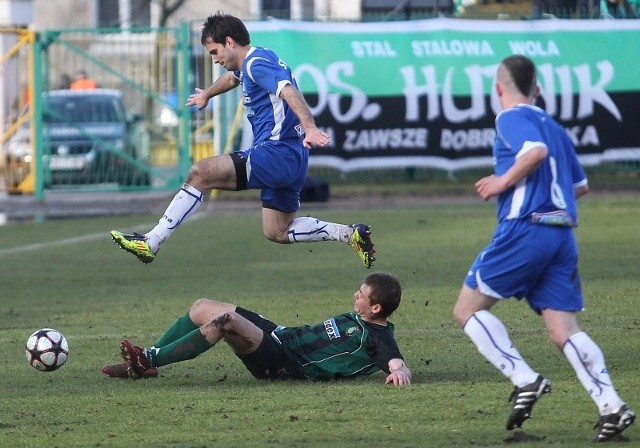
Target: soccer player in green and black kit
point(351, 344)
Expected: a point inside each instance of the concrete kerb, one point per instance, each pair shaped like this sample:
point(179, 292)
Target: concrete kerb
point(64, 204)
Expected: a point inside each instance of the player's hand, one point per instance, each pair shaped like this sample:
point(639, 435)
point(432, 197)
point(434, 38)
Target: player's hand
point(489, 186)
point(199, 98)
point(315, 137)
point(398, 378)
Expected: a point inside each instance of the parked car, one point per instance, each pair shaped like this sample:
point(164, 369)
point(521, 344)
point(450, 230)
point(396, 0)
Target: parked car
point(89, 138)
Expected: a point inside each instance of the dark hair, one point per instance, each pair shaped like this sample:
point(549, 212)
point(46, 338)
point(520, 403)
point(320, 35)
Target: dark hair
point(523, 72)
point(386, 291)
point(220, 25)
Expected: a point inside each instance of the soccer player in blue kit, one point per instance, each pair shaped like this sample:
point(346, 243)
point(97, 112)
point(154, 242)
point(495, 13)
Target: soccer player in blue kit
point(533, 253)
point(283, 131)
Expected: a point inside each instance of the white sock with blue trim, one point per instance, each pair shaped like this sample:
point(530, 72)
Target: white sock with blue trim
point(490, 336)
point(184, 204)
point(587, 360)
point(307, 230)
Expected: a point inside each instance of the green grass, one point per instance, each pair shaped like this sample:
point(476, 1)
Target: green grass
point(68, 275)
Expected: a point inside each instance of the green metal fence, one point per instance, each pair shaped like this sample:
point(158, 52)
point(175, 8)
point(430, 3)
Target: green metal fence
point(129, 132)
point(126, 125)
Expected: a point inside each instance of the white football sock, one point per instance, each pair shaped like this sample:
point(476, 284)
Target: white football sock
point(587, 360)
point(490, 336)
point(184, 204)
point(307, 229)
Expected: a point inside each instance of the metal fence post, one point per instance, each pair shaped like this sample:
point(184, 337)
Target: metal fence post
point(36, 102)
point(184, 154)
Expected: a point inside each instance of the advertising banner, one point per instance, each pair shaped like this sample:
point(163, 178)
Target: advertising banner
point(420, 93)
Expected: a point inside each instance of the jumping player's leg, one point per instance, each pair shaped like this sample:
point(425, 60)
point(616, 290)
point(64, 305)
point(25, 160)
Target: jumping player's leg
point(279, 171)
point(215, 172)
point(280, 175)
point(285, 228)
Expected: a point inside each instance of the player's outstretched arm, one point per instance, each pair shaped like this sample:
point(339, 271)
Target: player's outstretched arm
point(400, 374)
point(224, 83)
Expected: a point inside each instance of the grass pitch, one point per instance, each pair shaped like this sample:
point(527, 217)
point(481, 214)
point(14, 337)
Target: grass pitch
point(69, 276)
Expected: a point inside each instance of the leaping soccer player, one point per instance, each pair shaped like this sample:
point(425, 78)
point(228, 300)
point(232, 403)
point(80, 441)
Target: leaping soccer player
point(283, 131)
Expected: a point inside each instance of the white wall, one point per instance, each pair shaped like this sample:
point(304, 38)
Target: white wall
point(13, 13)
point(64, 14)
point(49, 14)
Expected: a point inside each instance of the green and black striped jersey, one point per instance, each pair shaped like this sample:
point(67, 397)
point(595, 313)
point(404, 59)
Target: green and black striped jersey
point(340, 347)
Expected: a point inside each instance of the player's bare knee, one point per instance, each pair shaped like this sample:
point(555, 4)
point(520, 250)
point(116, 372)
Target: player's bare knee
point(195, 175)
point(459, 320)
point(269, 234)
point(198, 311)
point(559, 343)
point(276, 236)
point(276, 232)
point(558, 337)
point(461, 314)
point(198, 305)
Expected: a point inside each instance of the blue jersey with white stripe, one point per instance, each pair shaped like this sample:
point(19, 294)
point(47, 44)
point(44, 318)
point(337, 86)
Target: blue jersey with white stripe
point(551, 186)
point(263, 76)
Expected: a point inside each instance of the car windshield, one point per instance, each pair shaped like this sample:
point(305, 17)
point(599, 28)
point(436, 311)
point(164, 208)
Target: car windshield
point(84, 109)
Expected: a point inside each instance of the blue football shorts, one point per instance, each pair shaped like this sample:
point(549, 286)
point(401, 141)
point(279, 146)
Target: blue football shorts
point(279, 170)
point(532, 261)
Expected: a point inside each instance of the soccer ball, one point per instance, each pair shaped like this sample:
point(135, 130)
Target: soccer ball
point(47, 349)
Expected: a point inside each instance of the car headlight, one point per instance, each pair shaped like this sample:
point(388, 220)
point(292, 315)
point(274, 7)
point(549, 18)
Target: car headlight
point(168, 117)
point(115, 145)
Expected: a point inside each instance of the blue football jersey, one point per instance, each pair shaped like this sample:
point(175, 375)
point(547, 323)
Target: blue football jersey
point(551, 186)
point(262, 77)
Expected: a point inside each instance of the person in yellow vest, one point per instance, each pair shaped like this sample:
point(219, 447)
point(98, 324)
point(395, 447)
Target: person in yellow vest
point(82, 81)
